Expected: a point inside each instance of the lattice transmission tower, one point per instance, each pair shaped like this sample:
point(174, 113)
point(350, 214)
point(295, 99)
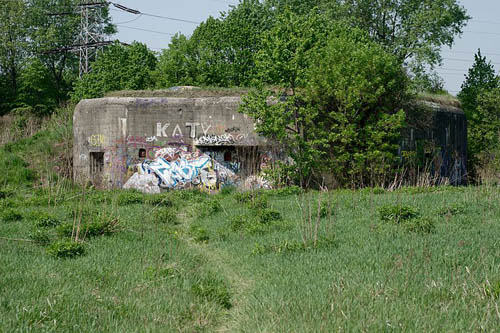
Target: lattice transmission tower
point(91, 38)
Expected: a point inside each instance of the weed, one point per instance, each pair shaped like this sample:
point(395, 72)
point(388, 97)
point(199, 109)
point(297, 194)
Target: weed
point(267, 216)
point(191, 195)
point(10, 215)
point(41, 237)
point(421, 224)
point(454, 209)
point(397, 213)
point(492, 289)
point(101, 226)
point(286, 191)
point(258, 202)
point(209, 208)
point(160, 200)
point(213, 289)
point(166, 215)
point(130, 197)
point(227, 190)
point(43, 219)
point(199, 234)
point(66, 249)
point(237, 222)
point(287, 246)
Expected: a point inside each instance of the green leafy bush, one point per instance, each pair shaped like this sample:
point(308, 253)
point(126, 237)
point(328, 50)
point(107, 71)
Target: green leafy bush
point(420, 224)
point(199, 234)
point(267, 216)
point(160, 200)
point(237, 222)
point(286, 191)
point(213, 289)
point(166, 215)
point(10, 215)
point(258, 202)
point(66, 249)
point(287, 246)
point(130, 197)
point(41, 237)
point(43, 219)
point(454, 209)
point(102, 225)
point(397, 213)
point(209, 208)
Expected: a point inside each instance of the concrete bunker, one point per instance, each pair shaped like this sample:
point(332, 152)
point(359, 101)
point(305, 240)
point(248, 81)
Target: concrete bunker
point(172, 142)
point(184, 142)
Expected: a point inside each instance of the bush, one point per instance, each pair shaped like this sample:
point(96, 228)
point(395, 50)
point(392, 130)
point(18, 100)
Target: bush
point(213, 289)
point(237, 222)
point(41, 237)
point(66, 249)
point(199, 234)
point(397, 213)
point(258, 202)
point(454, 209)
point(160, 200)
point(209, 208)
point(267, 216)
point(422, 224)
point(43, 219)
point(10, 215)
point(286, 191)
point(130, 197)
point(165, 215)
point(102, 226)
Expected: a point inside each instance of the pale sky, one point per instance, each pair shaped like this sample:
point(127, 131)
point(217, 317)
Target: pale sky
point(483, 31)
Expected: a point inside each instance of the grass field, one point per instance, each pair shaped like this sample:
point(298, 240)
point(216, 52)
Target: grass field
point(416, 259)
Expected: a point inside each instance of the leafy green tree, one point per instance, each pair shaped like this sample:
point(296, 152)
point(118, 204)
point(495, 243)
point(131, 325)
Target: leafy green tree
point(55, 25)
point(479, 81)
point(119, 67)
point(345, 119)
point(480, 77)
point(484, 123)
point(412, 30)
point(13, 48)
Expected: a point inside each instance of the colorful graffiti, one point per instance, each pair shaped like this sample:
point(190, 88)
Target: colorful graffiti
point(176, 168)
point(217, 140)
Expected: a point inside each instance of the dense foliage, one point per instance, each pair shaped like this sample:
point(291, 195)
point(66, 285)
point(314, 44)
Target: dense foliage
point(120, 67)
point(343, 115)
point(479, 96)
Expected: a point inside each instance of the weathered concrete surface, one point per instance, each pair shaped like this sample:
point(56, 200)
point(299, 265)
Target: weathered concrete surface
point(113, 136)
point(128, 130)
point(440, 139)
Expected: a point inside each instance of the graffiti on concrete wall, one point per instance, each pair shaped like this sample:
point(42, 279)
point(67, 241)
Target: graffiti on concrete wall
point(176, 168)
point(218, 140)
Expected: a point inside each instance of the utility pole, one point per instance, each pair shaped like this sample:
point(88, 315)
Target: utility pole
point(91, 38)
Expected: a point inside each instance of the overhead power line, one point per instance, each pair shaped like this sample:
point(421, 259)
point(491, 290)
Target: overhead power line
point(468, 60)
point(147, 30)
point(137, 12)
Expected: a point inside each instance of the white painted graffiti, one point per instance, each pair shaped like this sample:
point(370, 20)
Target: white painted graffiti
point(218, 140)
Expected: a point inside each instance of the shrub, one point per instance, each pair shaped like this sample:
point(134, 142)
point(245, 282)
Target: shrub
point(43, 219)
point(209, 208)
point(244, 197)
point(66, 249)
point(130, 197)
point(286, 191)
point(237, 222)
point(287, 246)
point(10, 215)
point(199, 234)
point(422, 224)
point(213, 289)
point(227, 190)
point(191, 195)
point(267, 216)
point(41, 237)
point(102, 226)
point(454, 209)
point(258, 202)
point(397, 213)
point(160, 200)
point(166, 215)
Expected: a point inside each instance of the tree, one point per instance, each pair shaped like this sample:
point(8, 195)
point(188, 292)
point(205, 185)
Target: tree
point(413, 30)
point(119, 67)
point(345, 119)
point(55, 25)
point(13, 48)
point(480, 80)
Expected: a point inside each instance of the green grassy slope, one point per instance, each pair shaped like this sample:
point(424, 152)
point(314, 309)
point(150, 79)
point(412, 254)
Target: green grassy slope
point(239, 266)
